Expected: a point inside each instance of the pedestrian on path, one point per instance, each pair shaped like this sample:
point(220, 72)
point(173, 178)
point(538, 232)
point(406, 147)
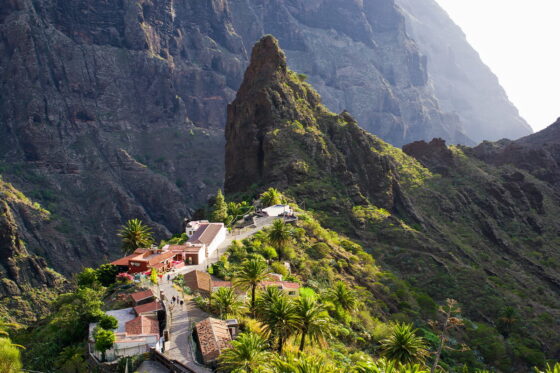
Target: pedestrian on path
point(173, 299)
point(182, 304)
point(168, 277)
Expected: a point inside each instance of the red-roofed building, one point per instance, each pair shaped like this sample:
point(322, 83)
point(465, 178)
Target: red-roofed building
point(134, 335)
point(143, 260)
point(148, 309)
point(142, 325)
point(213, 337)
point(142, 297)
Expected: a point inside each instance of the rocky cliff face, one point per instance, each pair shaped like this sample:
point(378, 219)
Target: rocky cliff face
point(463, 84)
point(116, 110)
point(27, 285)
point(447, 222)
point(358, 55)
point(113, 110)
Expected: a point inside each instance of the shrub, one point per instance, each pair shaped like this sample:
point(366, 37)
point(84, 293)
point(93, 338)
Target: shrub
point(319, 251)
point(268, 252)
point(108, 322)
point(280, 268)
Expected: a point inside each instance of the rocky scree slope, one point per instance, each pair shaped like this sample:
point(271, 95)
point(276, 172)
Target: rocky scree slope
point(115, 110)
point(444, 220)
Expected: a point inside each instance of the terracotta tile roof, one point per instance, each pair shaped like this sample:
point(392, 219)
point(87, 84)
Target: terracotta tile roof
point(282, 284)
point(141, 295)
point(198, 280)
point(185, 248)
point(142, 325)
point(206, 233)
point(138, 255)
point(148, 307)
point(160, 258)
point(213, 337)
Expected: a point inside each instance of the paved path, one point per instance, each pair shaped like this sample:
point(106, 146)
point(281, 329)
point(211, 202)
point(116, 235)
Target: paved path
point(179, 346)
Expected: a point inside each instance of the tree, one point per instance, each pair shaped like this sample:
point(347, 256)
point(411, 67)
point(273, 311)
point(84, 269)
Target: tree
point(108, 322)
point(237, 210)
point(135, 234)
point(507, 320)
point(272, 197)
point(220, 209)
point(71, 360)
point(450, 321)
point(280, 319)
point(404, 346)
point(342, 296)
point(314, 321)
point(153, 276)
point(385, 366)
point(226, 302)
point(280, 236)
point(549, 369)
point(247, 354)
point(87, 278)
point(252, 273)
point(302, 363)
point(106, 274)
point(104, 340)
point(10, 356)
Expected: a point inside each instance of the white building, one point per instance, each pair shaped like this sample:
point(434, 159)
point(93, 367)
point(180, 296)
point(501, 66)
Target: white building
point(134, 335)
point(278, 210)
point(210, 235)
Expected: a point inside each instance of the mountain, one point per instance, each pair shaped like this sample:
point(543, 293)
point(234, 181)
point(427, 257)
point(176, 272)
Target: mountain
point(463, 84)
point(27, 285)
point(116, 110)
point(444, 220)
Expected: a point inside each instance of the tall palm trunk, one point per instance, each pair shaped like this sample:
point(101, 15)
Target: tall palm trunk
point(253, 290)
point(302, 343)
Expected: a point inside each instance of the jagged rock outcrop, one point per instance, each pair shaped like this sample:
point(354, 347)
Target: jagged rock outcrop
point(449, 223)
point(116, 110)
point(359, 57)
point(27, 285)
point(463, 84)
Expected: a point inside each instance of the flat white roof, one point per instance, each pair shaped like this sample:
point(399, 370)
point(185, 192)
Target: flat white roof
point(123, 316)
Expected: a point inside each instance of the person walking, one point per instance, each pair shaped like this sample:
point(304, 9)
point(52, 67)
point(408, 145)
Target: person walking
point(173, 299)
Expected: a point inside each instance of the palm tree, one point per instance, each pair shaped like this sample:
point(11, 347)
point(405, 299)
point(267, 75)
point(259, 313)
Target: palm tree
point(280, 234)
point(10, 356)
point(301, 363)
point(226, 302)
point(272, 197)
point(280, 319)
point(314, 319)
point(404, 346)
point(247, 354)
point(265, 298)
point(549, 369)
point(385, 366)
point(342, 296)
point(252, 273)
point(135, 234)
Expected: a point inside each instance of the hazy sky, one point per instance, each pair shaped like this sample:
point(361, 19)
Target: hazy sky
point(520, 41)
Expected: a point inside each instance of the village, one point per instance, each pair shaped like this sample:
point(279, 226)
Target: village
point(163, 319)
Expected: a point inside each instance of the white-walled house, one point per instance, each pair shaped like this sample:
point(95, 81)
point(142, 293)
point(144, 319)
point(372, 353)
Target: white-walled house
point(209, 235)
point(134, 335)
point(278, 210)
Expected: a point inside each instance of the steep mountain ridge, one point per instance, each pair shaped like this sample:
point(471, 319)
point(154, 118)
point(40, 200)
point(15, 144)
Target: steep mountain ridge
point(27, 285)
point(463, 84)
point(115, 110)
point(447, 222)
